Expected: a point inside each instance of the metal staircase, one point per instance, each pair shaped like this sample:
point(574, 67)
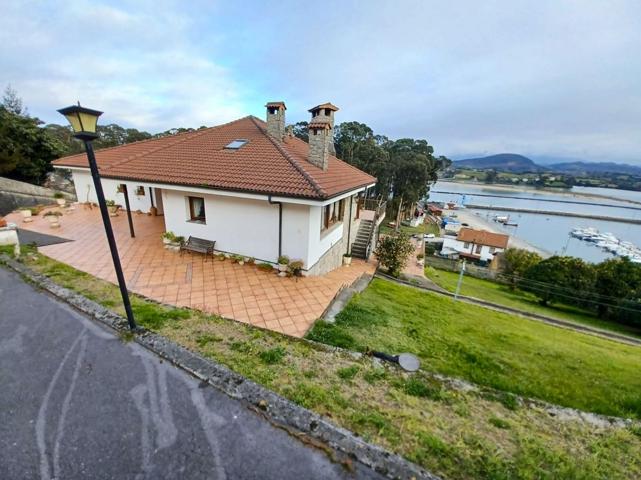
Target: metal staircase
point(360, 247)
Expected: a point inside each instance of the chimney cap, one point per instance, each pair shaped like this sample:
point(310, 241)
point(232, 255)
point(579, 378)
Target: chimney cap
point(276, 105)
point(324, 105)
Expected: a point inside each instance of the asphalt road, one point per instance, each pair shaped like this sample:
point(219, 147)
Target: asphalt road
point(78, 402)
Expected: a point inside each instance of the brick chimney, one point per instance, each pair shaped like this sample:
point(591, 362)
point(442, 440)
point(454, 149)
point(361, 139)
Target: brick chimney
point(321, 134)
point(276, 119)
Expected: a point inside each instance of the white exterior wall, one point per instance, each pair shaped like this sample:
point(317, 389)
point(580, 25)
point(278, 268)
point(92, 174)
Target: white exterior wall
point(84, 185)
point(454, 244)
point(321, 242)
point(243, 226)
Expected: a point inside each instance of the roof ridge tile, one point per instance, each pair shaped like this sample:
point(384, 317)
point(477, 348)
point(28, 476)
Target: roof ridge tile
point(291, 159)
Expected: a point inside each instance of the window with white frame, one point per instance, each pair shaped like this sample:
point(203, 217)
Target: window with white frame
point(197, 209)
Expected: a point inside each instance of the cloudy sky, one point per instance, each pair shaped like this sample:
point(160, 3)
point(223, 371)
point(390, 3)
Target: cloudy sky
point(548, 79)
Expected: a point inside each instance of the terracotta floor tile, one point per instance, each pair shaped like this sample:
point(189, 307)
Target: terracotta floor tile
point(241, 292)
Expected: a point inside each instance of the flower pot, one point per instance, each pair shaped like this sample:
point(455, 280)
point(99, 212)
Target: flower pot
point(166, 241)
point(282, 267)
point(241, 262)
point(113, 210)
point(61, 201)
point(26, 216)
point(54, 221)
point(347, 261)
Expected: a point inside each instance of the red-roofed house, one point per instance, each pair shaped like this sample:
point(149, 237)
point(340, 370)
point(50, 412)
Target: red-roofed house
point(475, 244)
point(250, 185)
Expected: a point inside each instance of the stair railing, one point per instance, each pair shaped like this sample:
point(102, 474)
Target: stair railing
point(380, 210)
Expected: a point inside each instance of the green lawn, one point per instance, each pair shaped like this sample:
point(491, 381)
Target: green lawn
point(422, 228)
point(491, 348)
point(453, 433)
point(502, 294)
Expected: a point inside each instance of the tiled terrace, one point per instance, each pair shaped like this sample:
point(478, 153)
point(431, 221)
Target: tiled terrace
point(244, 293)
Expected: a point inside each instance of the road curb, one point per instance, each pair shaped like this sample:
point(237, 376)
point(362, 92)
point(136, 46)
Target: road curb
point(281, 412)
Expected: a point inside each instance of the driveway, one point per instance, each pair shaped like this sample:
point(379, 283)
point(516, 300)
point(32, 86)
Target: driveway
point(76, 401)
point(244, 293)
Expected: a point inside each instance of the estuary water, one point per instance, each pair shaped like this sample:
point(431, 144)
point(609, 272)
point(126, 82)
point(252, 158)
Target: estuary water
point(551, 233)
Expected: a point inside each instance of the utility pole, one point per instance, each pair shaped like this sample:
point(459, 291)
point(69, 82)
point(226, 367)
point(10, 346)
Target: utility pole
point(460, 281)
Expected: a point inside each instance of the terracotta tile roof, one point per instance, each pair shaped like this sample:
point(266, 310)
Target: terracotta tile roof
point(320, 122)
point(483, 237)
point(324, 105)
point(276, 104)
point(200, 158)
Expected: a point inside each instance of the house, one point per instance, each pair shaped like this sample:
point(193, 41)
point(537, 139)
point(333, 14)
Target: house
point(250, 185)
point(434, 210)
point(474, 244)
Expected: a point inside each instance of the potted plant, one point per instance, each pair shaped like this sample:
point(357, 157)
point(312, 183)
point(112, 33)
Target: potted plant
point(172, 241)
point(420, 259)
point(250, 261)
point(221, 257)
point(266, 267)
point(296, 268)
point(283, 265)
point(112, 207)
point(26, 215)
point(347, 259)
point(54, 218)
point(60, 198)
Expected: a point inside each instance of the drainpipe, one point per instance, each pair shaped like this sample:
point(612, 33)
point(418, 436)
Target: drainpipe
point(349, 226)
point(280, 224)
point(151, 197)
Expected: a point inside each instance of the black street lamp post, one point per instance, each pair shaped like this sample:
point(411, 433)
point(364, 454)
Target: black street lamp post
point(83, 122)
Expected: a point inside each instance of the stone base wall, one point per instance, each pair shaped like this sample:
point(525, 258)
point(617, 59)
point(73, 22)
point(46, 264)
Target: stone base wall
point(333, 258)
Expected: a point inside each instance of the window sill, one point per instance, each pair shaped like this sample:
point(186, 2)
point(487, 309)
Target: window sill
point(200, 222)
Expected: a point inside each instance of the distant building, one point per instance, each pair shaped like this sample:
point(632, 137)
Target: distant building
point(474, 244)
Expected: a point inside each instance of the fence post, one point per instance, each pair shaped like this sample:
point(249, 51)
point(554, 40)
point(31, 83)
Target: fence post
point(460, 281)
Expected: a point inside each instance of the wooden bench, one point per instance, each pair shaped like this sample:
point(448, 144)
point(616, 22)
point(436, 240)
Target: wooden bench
point(198, 245)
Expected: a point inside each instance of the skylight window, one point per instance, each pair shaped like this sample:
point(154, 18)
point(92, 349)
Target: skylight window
point(236, 144)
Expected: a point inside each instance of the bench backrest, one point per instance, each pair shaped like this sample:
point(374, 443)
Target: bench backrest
point(200, 242)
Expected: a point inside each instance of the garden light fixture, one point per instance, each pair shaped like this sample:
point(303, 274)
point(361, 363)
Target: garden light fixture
point(84, 122)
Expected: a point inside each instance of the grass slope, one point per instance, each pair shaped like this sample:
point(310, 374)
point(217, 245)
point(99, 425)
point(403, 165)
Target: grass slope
point(502, 295)
point(490, 348)
point(454, 434)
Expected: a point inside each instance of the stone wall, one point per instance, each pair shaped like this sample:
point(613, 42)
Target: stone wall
point(333, 258)
point(15, 194)
point(319, 139)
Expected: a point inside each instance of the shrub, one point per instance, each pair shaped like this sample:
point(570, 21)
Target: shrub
point(265, 267)
point(283, 260)
point(392, 251)
point(53, 213)
point(273, 355)
point(296, 268)
point(171, 236)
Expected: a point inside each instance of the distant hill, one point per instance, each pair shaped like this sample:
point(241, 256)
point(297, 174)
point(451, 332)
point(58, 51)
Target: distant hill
point(597, 167)
point(510, 162)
